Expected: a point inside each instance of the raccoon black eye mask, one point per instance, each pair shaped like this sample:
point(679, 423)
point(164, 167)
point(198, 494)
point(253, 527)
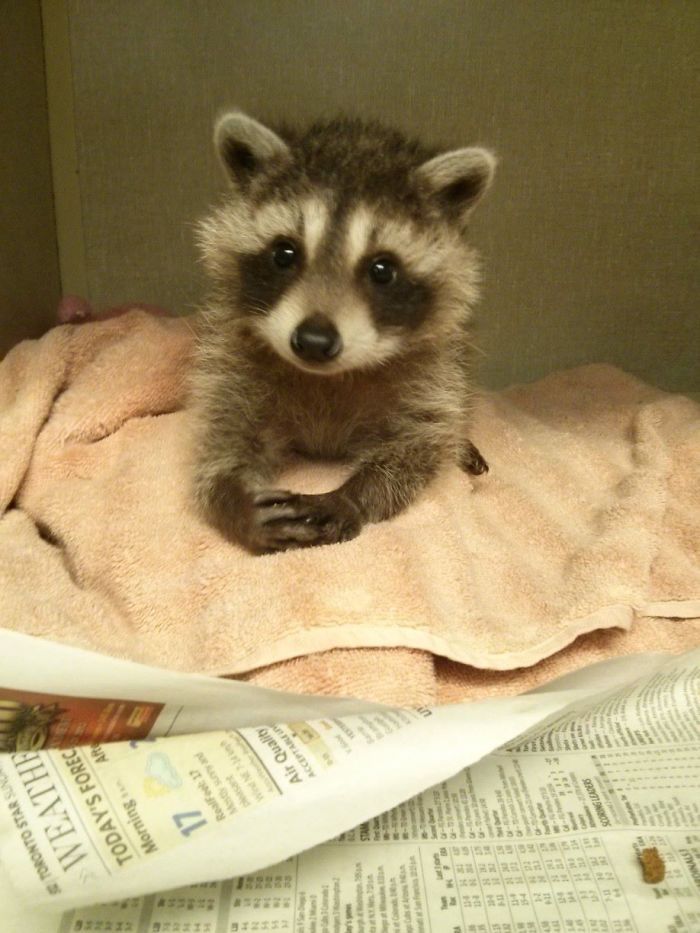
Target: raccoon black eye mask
point(337, 325)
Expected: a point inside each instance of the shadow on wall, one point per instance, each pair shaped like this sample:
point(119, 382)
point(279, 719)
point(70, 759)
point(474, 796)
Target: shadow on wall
point(29, 276)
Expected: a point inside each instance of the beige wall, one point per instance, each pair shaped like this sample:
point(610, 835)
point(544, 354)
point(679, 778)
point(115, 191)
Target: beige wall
point(29, 280)
point(588, 237)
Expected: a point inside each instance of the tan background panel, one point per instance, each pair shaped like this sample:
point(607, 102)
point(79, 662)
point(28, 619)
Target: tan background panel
point(588, 236)
point(29, 280)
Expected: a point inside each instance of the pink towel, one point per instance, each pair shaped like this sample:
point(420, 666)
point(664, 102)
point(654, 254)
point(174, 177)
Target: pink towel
point(588, 520)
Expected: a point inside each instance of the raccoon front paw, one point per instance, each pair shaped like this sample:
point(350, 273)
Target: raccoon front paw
point(285, 520)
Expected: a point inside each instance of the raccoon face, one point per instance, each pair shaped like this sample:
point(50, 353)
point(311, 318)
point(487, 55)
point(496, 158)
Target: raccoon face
point(343, 247)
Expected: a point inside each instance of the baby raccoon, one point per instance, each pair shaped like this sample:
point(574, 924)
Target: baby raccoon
point(337, 326)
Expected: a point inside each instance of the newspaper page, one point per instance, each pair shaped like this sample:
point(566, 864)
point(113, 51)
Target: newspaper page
point(85, 824)
point(80, 825)
point(543, 834)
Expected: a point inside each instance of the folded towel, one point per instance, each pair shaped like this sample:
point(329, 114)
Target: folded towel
point(589, 519)
point(406, 676)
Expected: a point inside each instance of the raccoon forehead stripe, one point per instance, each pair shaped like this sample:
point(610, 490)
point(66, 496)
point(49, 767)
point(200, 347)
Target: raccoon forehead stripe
point(315, 220)
point(360, 229)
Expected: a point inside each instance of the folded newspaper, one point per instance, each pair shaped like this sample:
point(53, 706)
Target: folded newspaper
point(145, 801)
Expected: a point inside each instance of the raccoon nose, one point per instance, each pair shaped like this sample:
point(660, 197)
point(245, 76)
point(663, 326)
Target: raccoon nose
point(316, 339)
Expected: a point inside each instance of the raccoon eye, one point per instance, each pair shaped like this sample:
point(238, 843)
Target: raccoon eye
point(285, 254)
point(382, 270)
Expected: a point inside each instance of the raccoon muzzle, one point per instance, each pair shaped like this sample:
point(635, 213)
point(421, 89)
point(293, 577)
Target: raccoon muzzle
point(316, 340)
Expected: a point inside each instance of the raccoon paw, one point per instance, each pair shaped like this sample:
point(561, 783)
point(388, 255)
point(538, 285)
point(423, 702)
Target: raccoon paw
point(285, 520)
point(471, 461)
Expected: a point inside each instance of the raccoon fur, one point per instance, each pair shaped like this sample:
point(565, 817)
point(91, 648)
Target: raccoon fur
point(337, 326)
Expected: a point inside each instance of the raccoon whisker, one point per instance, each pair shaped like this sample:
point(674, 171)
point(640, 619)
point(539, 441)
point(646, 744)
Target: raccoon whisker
point(185, 320)
point(475, 347)
point(260, 309)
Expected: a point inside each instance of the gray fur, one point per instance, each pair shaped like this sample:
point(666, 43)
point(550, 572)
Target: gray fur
point(339, 198)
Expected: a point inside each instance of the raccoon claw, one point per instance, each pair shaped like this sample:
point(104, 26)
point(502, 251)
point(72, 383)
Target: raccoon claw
point(472, 462)
point(271, 497)
point(286, 520)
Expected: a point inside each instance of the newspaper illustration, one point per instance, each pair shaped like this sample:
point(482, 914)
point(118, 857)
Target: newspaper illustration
point(30, 721)
point(544, 831)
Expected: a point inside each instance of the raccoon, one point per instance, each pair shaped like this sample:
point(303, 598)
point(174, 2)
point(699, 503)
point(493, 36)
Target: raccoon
point(338, 326)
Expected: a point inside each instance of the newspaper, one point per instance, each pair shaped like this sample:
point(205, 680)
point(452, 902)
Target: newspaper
point(426, 832)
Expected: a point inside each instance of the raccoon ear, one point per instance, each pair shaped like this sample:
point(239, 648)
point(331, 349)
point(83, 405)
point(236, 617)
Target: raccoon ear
point(246, 146)
point(458, 179)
